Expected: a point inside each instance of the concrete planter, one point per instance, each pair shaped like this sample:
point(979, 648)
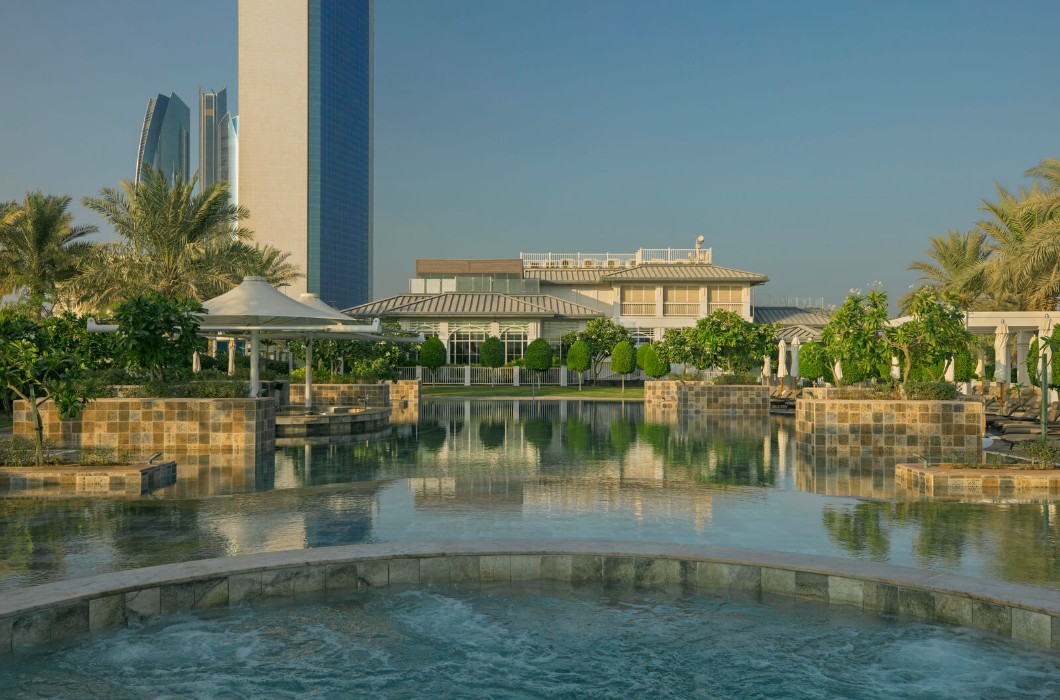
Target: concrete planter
point(662, 396)
point(143, 426)
point(872, 428)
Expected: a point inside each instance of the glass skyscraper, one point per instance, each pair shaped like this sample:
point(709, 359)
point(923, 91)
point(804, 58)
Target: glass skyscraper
point(305, 156)
point(165, 138)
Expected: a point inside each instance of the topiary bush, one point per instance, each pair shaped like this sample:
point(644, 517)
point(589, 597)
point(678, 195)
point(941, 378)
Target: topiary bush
point(623, 360)
point(654, 366)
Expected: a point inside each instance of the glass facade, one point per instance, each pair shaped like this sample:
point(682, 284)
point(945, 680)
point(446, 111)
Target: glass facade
point(165, 138)
point(340, 151)
point(213, 108)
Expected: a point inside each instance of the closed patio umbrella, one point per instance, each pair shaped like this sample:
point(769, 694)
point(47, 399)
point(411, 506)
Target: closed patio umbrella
point(795, 345)
point(1001, 354)
point(782, 359)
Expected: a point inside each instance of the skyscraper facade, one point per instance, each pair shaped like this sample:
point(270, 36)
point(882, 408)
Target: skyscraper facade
point(213, 107)
point(165, 139)
point(305, 154)
point(228, 153)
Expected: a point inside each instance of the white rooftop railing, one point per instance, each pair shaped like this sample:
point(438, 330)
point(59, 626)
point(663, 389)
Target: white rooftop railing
point(644, 256)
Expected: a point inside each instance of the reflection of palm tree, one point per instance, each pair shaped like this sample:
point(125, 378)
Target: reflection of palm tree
point(860, 530)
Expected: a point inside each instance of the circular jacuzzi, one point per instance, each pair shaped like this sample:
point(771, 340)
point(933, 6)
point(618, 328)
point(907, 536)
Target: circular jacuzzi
point(525, 619)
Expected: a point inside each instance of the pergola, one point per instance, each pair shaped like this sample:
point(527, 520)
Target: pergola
point(255, 307)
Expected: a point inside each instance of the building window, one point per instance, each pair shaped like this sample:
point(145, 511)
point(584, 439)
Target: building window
point(465, 343)
point(726, 298)
point(638, 301)
point(681, 300)
point(553, 332)
point(641, 336)
point(514, 340)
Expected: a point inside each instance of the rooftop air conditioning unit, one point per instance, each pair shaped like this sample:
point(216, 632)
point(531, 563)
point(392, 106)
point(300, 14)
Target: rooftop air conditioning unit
point(589, 263)
point(611, 262)
point(551, 263)
point(566, 262)
point(535, 264)
point(632, 262)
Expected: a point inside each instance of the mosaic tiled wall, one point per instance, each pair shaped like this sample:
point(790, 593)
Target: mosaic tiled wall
point(376, 395)
point(142, 426)
point(856, 428)
point(700, 397)
point(405, 401)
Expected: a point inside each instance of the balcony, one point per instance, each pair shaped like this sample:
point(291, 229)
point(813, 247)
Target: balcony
point(636, 308)
point(681, 308)
point(736, 307)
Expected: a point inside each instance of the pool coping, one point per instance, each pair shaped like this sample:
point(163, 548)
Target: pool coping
point(61, 609)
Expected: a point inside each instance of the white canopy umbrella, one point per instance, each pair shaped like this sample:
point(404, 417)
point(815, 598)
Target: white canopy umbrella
point(782, 359)
point(795, 345)
point(255, 306)
point(1001, 354)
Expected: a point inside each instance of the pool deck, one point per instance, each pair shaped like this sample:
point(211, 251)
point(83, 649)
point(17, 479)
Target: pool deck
point(62, 609)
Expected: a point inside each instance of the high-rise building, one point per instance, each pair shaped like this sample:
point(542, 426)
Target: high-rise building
point(305, 154)
point(213, 107)
point(228, 153)
point(165, 138)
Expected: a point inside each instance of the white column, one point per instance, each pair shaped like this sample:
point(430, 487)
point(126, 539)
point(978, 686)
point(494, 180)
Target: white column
point(563, 375)
point(467, 375)
point(1044, 333)
point(515, 375)
point(1023, 342)
point(419, 373)
point(951, 370)
point(255, 383)
point(231, 357)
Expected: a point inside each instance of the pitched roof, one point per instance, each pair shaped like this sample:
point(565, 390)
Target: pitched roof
point(567, 275)
point(490, 304)
point(805, 334)
point(688, 273)
point(791, 316)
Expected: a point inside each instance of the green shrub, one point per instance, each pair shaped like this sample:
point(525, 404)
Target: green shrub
point(227, 389)
point(654, 366)
point(813, 364)
point(491, 353)
point(737, 378)
point(931, 391)
point(1041, 452)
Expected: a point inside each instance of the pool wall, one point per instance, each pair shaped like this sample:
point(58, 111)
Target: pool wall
point(171, 425)
point(701, 397)
point(63, 609)
point(888, 428)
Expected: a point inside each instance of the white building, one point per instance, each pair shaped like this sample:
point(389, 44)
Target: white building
point(549, 294)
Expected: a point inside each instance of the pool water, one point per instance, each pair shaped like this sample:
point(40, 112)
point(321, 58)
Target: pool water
point(527, 641)
point(544, 470)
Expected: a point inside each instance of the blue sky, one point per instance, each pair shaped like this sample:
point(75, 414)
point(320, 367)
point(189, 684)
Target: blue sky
point(820, 143)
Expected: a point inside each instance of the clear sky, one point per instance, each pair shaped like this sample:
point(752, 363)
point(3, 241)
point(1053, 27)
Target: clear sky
point(820, 143)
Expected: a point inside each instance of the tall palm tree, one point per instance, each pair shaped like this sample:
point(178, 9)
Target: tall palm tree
point(40, 247)
point(171, 240)
point(1024, 269)
point(956, 265)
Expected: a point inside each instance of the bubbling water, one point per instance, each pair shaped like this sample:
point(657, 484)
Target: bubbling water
point(535, 641)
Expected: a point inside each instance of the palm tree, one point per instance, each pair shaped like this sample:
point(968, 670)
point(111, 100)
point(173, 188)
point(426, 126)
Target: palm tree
point(956, 265)
point(40, 247)
point(1024, 269)
point(268, 262)
point(171, 240)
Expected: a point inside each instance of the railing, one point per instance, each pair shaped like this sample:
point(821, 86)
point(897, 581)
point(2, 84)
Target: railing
point(406, 372)
point(681, 308)
point(490, 375)
point(606, 374)
point(735, 307)
point(674, 255)
point(576, 260)
point(638, 308)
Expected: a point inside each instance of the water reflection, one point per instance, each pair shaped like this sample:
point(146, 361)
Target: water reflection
point(535, 470)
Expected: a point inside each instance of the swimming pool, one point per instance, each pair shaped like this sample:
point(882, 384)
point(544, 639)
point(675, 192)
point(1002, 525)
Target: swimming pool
point(473, 469)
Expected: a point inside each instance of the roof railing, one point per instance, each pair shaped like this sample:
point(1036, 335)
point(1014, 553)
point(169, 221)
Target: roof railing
point(644, 256)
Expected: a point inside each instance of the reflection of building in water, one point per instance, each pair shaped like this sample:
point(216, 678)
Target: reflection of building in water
point(445, 493)
point(868, 477)
point(201, 475)
point(636, 497)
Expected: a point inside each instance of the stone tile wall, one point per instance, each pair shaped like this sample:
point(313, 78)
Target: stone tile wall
point(405, 401)
point(47, 613)
point(701, 397)
point(873, 428)
point(376, 395)
point(982, 485)
point(174, 426)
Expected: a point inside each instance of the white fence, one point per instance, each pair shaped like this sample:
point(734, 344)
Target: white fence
point(468, 375)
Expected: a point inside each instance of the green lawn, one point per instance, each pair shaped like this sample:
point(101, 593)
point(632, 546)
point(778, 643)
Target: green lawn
point(523, 392)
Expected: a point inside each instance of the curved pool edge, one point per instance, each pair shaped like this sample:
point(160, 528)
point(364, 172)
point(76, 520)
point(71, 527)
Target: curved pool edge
point(62, 609)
